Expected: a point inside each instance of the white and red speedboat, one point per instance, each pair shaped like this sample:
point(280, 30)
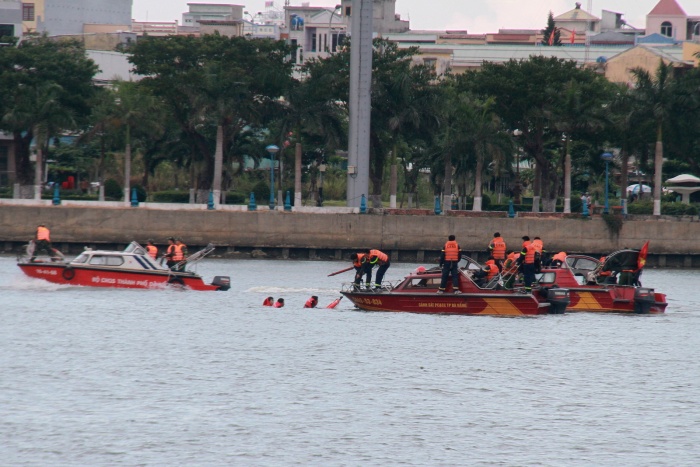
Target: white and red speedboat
point(132, 268)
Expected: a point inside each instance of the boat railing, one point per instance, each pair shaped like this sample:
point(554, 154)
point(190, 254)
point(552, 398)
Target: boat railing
point(194, 258)
point(386, 286)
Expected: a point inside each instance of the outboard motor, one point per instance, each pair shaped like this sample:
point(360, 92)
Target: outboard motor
point(558, 300)
point(644, 298)
point(222, 282)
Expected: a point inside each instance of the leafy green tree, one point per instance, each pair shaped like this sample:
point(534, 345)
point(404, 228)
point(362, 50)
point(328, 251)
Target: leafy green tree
point(45, 85)
point(213, 84)
point(530, 96)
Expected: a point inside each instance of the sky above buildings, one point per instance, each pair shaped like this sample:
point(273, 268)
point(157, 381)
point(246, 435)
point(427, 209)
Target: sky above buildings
point(476, 16)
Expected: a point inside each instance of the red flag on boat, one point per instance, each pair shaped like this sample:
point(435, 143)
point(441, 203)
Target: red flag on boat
point(642, 257)
point(573, 36)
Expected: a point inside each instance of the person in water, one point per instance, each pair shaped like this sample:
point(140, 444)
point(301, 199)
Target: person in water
point(312, 302)
point(269, 301)
point(279, 303)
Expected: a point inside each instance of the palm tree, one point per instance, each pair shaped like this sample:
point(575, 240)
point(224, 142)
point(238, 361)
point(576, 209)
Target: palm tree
point(39, 109)
point(133, 109)
point(653, 99)
point(580, 113)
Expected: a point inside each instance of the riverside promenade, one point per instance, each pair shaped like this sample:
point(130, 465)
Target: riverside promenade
point(334, 233)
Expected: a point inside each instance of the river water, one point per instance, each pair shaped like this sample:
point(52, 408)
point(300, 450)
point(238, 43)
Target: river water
point(97, 377)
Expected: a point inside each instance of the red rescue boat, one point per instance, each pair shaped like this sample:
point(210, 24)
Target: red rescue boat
point(417, 293)
point(132, 268)
point(612, 285)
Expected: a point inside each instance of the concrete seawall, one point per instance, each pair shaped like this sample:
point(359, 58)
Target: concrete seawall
point(674, 242)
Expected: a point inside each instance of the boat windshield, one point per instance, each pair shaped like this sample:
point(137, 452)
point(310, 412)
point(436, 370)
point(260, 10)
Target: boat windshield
point(81, 259)
point(135, 248)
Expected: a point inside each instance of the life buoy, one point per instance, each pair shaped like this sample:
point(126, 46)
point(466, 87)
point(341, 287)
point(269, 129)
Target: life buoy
point(68, 273)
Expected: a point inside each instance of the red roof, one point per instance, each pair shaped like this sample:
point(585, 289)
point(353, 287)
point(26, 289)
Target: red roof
point(667, 8)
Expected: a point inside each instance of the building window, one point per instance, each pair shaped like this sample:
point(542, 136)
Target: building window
point(7, 30)
point(348, 10)
point(430, 62)
point(27, 12)
point(666, 29)
point(313, 42)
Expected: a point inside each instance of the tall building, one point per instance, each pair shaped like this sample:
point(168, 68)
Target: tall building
point(211, 12)
point(10, 18)
point(66, 17)
point(669, 19)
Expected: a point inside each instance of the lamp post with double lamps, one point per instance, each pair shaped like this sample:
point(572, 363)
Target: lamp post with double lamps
point(272, 150)
point(607, 157)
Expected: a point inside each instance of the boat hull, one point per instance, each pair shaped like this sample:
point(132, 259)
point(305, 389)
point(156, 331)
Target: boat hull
point(63, 273)
point(464, 304)
point(619, 299)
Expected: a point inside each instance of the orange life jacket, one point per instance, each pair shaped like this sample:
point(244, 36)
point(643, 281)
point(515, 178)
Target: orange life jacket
point(170, 252)
point(152, 251)
point(498, 248)
point(179, 254)
point(377, 256)
point(539, 246)
point(42, 233)
point(561, 256)
point(451, 251)
point(278, 304)
point(529, 253)
point(267, 302)
point(358, 262)
point(493, 269)
point(310, 303)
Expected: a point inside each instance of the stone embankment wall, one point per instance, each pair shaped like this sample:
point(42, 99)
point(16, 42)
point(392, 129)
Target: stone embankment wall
point(406, 235)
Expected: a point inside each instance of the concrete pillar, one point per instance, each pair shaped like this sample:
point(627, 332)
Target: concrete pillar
point(687, 261)
point(662, 261)
point(338, 255)
point(395, 256)
point(360, 101)
point(285, 253)
point(312, 253)
point(420, 256)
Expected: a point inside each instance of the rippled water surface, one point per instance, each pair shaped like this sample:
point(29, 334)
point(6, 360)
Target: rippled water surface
point(165, 377)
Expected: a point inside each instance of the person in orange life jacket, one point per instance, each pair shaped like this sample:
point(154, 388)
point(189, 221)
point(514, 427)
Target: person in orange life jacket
point(527, 262)
point(312, 302)
point(152, 249)
point(449, 263)
point(43, 242)
point(510, 268)
point(511, 259)
point(488, 272)
point(539, 253)
point(279, 303)
point(372, 258)
point(180, 255)
point(358, 262)
point(170, 253)
point(558, 259)
point(497, 250)
point(269, 301)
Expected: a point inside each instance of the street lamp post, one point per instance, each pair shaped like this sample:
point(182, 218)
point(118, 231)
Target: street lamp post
point(321, 171)
point(607, 157)
point(272, 150)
